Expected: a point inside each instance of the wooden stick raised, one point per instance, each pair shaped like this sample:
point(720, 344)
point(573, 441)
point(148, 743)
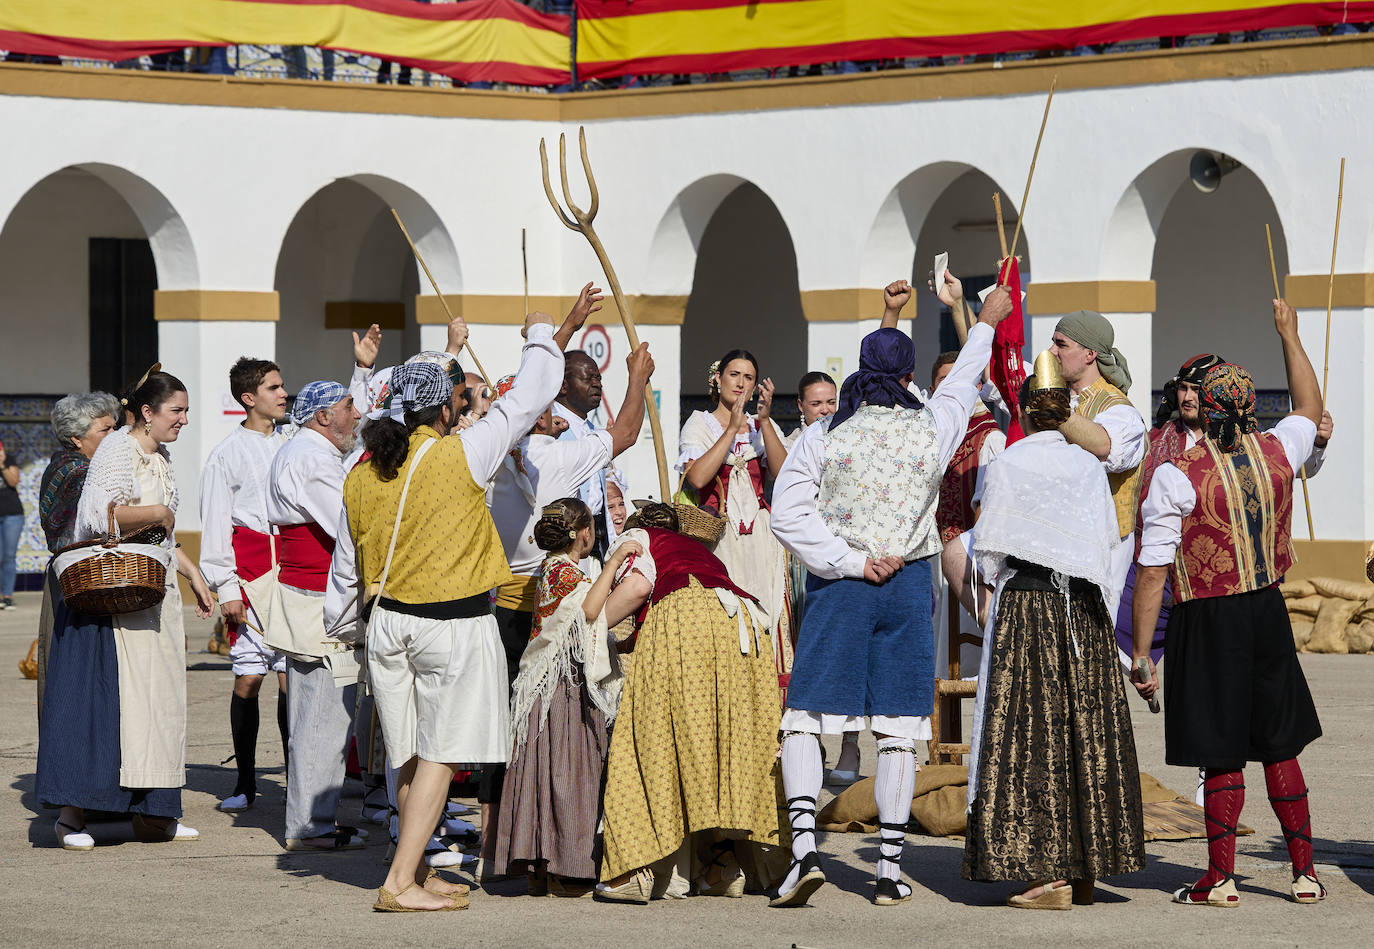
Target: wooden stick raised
point(1331, 283)
point(1001, 224)
point(525, 268)
point(1025, 195)
point(576, 219)
point(1302, 472)
point(442, 302)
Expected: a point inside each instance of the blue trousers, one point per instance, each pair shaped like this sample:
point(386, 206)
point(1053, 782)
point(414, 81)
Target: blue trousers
point(11, 526)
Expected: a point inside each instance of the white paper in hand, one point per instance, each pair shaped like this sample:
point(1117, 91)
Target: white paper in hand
point(940, 269)
point(983, 294)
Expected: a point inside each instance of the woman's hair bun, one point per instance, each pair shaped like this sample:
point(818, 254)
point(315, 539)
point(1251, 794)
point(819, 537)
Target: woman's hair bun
point(559, 523)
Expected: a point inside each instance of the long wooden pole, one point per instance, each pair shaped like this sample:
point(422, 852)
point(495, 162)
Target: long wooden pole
point(1331, 283)
point(525, 268)
point(442, 302)
point(1025, 195)
point(1302, 472)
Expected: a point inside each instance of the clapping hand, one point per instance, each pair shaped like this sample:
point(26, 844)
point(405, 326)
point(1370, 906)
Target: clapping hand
point(365, 348)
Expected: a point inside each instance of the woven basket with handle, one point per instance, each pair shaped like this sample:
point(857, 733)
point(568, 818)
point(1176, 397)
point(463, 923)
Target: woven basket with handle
point(114, 580)
point(695, 522)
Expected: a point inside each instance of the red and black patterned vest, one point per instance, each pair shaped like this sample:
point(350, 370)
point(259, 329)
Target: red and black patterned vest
point(1166, 443)
point(1236, 538)
point(954, 515)
point(679, 559)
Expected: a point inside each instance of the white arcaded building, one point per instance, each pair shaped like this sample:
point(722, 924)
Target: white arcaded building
point(760, 215)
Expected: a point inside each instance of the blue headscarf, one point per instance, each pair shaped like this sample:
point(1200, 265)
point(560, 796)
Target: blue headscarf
point(885, 356)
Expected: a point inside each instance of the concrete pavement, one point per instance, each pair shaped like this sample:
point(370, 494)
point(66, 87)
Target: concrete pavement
point(236, 887)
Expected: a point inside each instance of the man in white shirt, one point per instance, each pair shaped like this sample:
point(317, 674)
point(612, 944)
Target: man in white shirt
point(304, 501)
point(579, 397)
point(235, 547)
point(855, 502)
point(1104, 421)
point(1219, 517)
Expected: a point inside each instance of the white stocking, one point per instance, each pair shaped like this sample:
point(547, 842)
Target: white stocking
point(801, 782)
point(893, 787)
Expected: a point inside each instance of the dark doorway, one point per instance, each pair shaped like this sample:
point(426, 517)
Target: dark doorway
point(123, 331)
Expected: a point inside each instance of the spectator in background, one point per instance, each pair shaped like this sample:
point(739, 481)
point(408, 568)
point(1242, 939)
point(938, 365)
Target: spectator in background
point(11, 526)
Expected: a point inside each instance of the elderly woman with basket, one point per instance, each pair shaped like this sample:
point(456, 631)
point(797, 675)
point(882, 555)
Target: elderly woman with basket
point(726, 456)
point(112, 736)
point(80, 423)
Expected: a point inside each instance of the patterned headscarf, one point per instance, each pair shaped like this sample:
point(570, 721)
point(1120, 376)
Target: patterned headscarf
point(885, 356)
point(1228, 405)
point(315, 396)
point(1192, 372)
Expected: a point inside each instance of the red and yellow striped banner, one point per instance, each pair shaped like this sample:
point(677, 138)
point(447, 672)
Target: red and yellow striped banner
point(479, 40)
point(627, 37)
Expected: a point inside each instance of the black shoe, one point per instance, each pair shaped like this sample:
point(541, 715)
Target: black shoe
point(810, 880)
point(889, 892)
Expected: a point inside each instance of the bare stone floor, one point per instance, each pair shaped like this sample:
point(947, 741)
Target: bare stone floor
point(236, 887)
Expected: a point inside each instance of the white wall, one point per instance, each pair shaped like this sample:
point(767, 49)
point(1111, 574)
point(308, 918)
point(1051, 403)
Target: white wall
point(855, 187)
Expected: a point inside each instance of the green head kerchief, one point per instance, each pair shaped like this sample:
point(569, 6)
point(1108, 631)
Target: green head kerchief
point(1093, 331)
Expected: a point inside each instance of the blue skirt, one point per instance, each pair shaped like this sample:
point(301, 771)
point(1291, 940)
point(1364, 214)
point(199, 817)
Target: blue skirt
point(78, 735)
point(866, 649)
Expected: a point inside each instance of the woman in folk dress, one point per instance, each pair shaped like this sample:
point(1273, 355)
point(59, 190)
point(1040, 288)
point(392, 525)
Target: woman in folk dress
point(728, 455)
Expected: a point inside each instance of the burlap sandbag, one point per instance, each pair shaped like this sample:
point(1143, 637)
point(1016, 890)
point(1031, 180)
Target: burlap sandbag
point(1305, 606)
point(1302, 632)
point(854, 809)
point(1359, 637)
point(1345, 589)
point(1328, 632)
point(1297, 589)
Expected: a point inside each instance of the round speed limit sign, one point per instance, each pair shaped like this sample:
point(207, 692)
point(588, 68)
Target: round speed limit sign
point(596, 342)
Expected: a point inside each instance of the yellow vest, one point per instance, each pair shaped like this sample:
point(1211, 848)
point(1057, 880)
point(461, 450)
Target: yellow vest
point(1125, 485)
point(446, 548)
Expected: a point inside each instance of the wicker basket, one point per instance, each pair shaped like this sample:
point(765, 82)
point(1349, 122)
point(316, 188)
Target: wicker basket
point(695, 522)
point(115, 581)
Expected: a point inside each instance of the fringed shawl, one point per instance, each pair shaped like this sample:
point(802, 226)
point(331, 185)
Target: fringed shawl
point(562, 638)
point(113, 478)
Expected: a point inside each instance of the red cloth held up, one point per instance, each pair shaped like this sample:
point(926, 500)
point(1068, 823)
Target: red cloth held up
point(1008, 369)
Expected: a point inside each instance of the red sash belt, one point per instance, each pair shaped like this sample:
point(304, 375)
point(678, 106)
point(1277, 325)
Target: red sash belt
point(252, 553)
point(304, 552)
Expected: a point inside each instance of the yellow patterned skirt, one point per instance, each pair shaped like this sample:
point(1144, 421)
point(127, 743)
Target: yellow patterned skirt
point(694, 747)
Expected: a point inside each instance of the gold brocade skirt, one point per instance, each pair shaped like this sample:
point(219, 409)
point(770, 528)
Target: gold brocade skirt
point(694, 747)
point(1059, 788)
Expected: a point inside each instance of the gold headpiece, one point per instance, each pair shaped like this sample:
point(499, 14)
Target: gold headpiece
point(155, 367)
point(1048, 373)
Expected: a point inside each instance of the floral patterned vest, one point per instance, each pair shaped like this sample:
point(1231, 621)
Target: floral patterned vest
point(954, 515)
point(1125, 485)
point(1236, 538)
point(881, 481)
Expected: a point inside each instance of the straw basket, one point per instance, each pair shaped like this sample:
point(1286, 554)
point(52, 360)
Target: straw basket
point(112, 575)
point(693, 521)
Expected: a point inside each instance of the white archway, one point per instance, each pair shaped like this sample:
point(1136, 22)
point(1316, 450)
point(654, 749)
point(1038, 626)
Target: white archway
point(1207, 255)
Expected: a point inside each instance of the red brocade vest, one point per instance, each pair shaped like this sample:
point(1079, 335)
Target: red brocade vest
point(715, 494)
point(1236, 538)
point(679, 559)
point(954, 515)
point(304, 552)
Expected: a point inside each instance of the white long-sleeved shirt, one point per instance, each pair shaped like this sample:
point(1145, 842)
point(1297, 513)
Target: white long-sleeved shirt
point(233, 493)
point(592, 490)
point(797, 522)
point(1126, 430)
point(1172, 497)
point(485, 446)
point(306, 485)
point(552, 469)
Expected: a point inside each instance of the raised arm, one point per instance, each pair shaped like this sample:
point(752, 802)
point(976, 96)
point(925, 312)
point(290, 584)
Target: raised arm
point(625, 430)
point(895, 295)
point(773, 447)
point(703, 470)
point(1302, 378)
point(588, 302)
point(513, 415)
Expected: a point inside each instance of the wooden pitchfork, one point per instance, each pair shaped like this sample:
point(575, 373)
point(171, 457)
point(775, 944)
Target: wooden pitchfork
point(576, 219)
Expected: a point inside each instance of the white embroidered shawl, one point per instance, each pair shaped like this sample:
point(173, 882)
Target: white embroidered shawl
point(566, 638)
point(113, 478)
